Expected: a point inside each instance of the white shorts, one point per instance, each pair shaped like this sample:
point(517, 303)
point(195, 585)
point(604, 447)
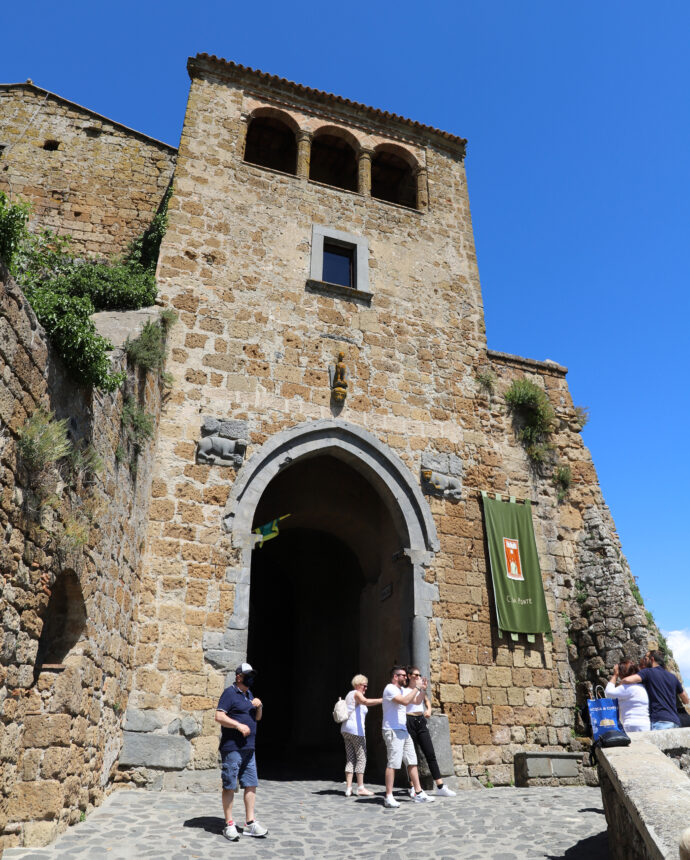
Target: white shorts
point(399, 747)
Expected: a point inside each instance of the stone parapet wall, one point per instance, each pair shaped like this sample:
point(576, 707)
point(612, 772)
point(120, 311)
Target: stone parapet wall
point(646, 801)
point(60, 728)
point(84, 174)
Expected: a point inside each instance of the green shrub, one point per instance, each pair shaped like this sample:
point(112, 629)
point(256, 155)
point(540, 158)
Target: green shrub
point(65, 291)
point(581, 416)
point(13, 220)
point(532, 406)
point(43, 441)
point(146, 248)
point(66, 320)
point(111, 287)
point(562, 478)
point(636, 592)
point(148, 350)
point(486, 381)
point(136, 422)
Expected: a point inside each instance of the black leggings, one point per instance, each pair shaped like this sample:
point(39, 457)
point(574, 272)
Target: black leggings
point(419, 732)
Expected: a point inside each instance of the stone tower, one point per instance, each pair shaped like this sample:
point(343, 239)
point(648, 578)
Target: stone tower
point(326, 361)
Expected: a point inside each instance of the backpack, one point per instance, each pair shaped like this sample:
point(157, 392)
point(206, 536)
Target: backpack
point(340, 713)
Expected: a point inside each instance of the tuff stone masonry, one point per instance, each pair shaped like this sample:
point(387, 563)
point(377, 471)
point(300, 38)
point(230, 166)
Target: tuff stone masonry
point(87, 176)
point(274, 185)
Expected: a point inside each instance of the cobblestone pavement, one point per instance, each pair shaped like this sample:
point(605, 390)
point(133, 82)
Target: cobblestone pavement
point(314, 819)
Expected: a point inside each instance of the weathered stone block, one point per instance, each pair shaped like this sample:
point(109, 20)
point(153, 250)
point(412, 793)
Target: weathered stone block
point(168, 752)
point(35, 801)
point(47, 730)
point(137, 720)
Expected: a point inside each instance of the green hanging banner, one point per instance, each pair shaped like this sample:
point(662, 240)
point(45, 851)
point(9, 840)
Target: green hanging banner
point(518, 587)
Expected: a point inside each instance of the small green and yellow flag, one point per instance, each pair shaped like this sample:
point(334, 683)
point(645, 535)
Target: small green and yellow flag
point(268, 531)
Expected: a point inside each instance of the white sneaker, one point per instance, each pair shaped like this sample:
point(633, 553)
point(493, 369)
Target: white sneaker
point(444, 791)
point(423, 797)
point(390, 802)
point(412, 792)
point(255, 829)
point(348, 792)
point(231, 832)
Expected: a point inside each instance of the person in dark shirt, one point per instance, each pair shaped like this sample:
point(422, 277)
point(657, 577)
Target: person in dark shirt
point(663, 688)
point(238, 713)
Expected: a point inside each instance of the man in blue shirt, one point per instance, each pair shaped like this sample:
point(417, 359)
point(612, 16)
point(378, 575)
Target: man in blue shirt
point(663, 688)
point(238, 713)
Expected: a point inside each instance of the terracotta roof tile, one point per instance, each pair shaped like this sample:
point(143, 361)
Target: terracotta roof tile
point(452, 139)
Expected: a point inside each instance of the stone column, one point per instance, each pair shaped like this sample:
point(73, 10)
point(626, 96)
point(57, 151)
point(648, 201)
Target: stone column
point(242, 135)
point(303, 153)
point(364, 171)
point(422, 190)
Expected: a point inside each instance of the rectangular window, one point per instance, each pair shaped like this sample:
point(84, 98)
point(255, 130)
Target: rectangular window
point(338, 264)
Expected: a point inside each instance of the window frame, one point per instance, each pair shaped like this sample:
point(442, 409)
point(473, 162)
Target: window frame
point(360, 261)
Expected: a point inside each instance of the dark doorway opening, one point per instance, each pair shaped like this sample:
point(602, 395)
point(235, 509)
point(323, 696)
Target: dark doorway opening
point(303, 640)
point(330, 597)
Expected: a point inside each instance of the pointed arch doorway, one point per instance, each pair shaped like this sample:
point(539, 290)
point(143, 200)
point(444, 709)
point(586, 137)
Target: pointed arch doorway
point(339, 591)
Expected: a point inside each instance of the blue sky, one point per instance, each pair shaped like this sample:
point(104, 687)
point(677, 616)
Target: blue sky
point(578, 125)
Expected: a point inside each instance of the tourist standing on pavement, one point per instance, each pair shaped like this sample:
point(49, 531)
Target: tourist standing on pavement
point(353, 734)
point(663, 687)
point(238, 713)
point(399, 746)
point(417, 715)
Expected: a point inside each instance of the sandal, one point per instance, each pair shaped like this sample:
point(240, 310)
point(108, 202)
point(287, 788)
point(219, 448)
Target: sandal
point(364, 792)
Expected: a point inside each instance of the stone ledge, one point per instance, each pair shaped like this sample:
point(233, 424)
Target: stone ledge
point(339, 292)
point(646, 800)
point(530, 363)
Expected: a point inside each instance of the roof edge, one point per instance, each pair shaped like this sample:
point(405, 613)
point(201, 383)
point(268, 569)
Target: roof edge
point(30, 85)
point(210, 63)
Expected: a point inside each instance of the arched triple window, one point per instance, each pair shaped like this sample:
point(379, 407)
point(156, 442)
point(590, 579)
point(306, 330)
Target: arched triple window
point(64, 622)
point(333, 160)
point(393, 176)
point(271, 143)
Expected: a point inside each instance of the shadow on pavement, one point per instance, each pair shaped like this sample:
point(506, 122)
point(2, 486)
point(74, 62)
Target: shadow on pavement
point(596, 809)
point(209, 823)
point(592, 848)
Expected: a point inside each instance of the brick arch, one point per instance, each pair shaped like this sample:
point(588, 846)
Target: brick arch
point(339, 132)
point(274, 113)
point(401, 151)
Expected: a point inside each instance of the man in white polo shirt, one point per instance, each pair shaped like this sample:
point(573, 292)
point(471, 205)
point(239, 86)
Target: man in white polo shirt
point(399, 745)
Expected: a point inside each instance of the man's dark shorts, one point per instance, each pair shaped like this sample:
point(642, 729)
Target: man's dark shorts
point(238, 764)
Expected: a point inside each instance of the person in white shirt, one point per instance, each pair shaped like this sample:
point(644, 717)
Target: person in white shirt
point(353, 734)
point(399, 745)
point(633, 701)
point(418, 728)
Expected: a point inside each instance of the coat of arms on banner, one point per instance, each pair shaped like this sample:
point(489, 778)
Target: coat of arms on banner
point(511, 548)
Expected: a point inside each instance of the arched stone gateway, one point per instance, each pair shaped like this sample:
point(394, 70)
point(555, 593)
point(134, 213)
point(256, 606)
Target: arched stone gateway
point(348, 566)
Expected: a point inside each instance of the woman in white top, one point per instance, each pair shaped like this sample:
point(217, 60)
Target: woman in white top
point(633, 701)
point(353, 734)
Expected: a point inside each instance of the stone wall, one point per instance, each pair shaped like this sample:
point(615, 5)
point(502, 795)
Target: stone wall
point(60, 724)
point(85, 175)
